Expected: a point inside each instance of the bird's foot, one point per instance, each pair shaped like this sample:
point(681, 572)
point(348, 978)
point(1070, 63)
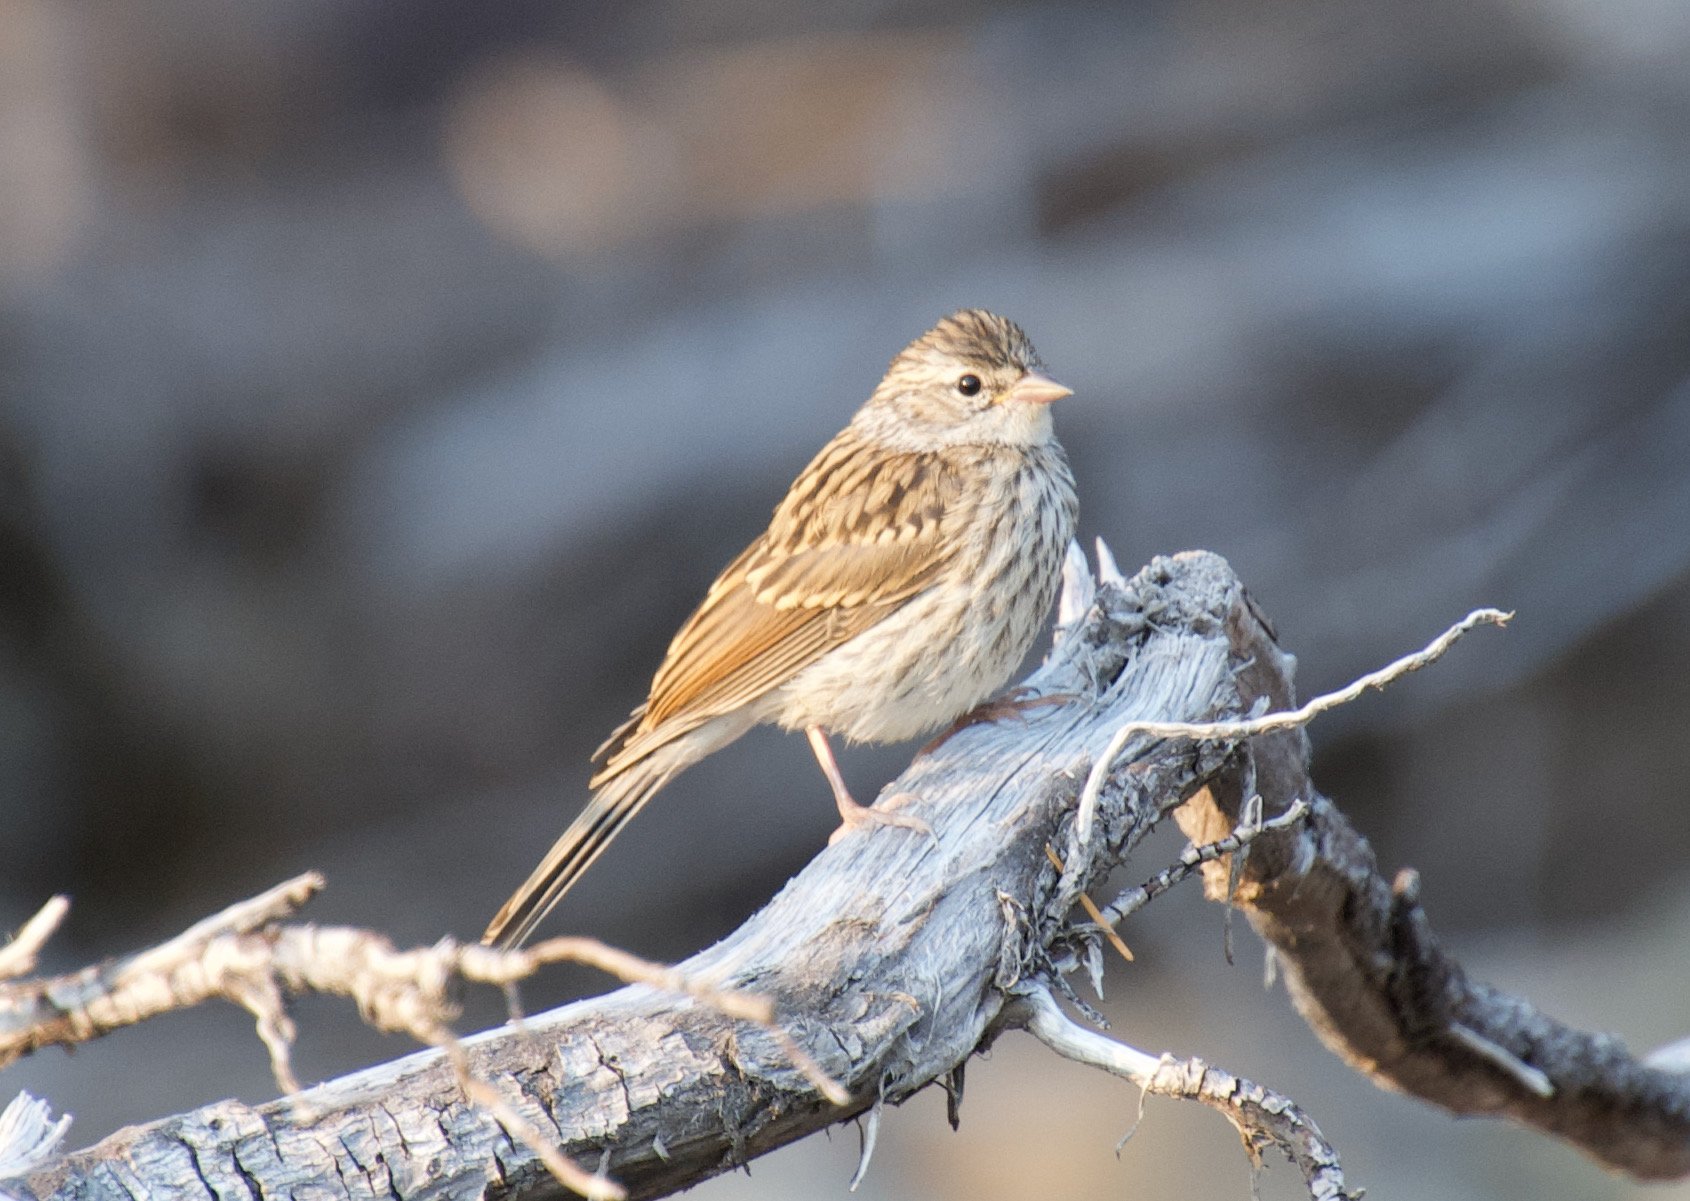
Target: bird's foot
point(1016, 703)
point(852, 815)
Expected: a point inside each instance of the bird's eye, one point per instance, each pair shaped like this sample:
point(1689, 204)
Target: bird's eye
point(969, 385)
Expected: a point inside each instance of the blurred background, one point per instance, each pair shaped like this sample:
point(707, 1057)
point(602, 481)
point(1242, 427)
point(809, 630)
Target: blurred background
point(381, 384)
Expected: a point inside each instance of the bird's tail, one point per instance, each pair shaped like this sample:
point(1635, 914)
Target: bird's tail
point(612, 806)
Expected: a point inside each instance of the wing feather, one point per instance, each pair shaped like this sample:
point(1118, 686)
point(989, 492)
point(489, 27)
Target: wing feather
point(861, 531)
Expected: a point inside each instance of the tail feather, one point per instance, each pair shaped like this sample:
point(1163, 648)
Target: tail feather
point(612, 806)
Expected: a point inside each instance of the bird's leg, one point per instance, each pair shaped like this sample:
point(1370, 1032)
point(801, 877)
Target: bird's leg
point(1014, 703)
point(852, 814)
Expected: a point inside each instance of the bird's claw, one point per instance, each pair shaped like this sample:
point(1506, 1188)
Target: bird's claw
point(868, 815)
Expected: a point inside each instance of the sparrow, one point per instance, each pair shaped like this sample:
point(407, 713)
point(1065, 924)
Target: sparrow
point(900, 581)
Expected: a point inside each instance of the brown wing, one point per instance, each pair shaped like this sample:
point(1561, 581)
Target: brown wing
point(860, 531)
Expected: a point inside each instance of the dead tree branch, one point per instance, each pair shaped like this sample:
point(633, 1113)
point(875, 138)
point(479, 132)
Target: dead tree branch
point(1366, 972)
point(889, 961)
point(247, 956)
point(1262, 1117)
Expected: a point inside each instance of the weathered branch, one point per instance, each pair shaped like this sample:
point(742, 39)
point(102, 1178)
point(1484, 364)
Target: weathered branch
point(248, 956)
point(890, 961)
point(1364, 969)
point(1262, 1117)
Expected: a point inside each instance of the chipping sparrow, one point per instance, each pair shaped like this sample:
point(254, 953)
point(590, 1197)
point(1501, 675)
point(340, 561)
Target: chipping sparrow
point(901, 580)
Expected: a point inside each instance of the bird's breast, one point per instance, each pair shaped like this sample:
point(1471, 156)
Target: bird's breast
point(955, 643)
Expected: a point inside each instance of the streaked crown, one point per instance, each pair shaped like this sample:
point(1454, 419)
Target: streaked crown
point(977, 338)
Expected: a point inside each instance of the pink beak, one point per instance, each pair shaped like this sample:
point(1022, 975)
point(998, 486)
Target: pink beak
point(1037, 389)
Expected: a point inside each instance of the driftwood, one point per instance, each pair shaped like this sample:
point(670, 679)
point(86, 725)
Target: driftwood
point(890, 961)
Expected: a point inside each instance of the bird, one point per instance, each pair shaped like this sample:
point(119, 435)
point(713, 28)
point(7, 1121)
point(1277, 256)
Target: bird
point(900, 581)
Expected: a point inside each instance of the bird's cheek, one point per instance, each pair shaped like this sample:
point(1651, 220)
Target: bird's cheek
point(1021, 424)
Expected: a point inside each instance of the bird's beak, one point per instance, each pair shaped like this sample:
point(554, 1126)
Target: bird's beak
point(1036, 389)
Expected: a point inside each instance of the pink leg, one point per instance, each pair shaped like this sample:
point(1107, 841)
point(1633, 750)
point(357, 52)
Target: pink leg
point(852, 814)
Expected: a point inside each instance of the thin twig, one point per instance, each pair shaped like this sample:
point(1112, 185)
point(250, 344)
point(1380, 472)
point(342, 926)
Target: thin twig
point(1193, 858)
point(1271, 722)
point(1261, 1116)
point(868, 1129)
point(18, 956)
point(826, 1085)
point(491, 966)
point(592, 1185)
point(1092, 911)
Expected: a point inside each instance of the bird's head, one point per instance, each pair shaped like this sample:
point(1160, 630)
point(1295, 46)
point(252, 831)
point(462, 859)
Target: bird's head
point(973, 379)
